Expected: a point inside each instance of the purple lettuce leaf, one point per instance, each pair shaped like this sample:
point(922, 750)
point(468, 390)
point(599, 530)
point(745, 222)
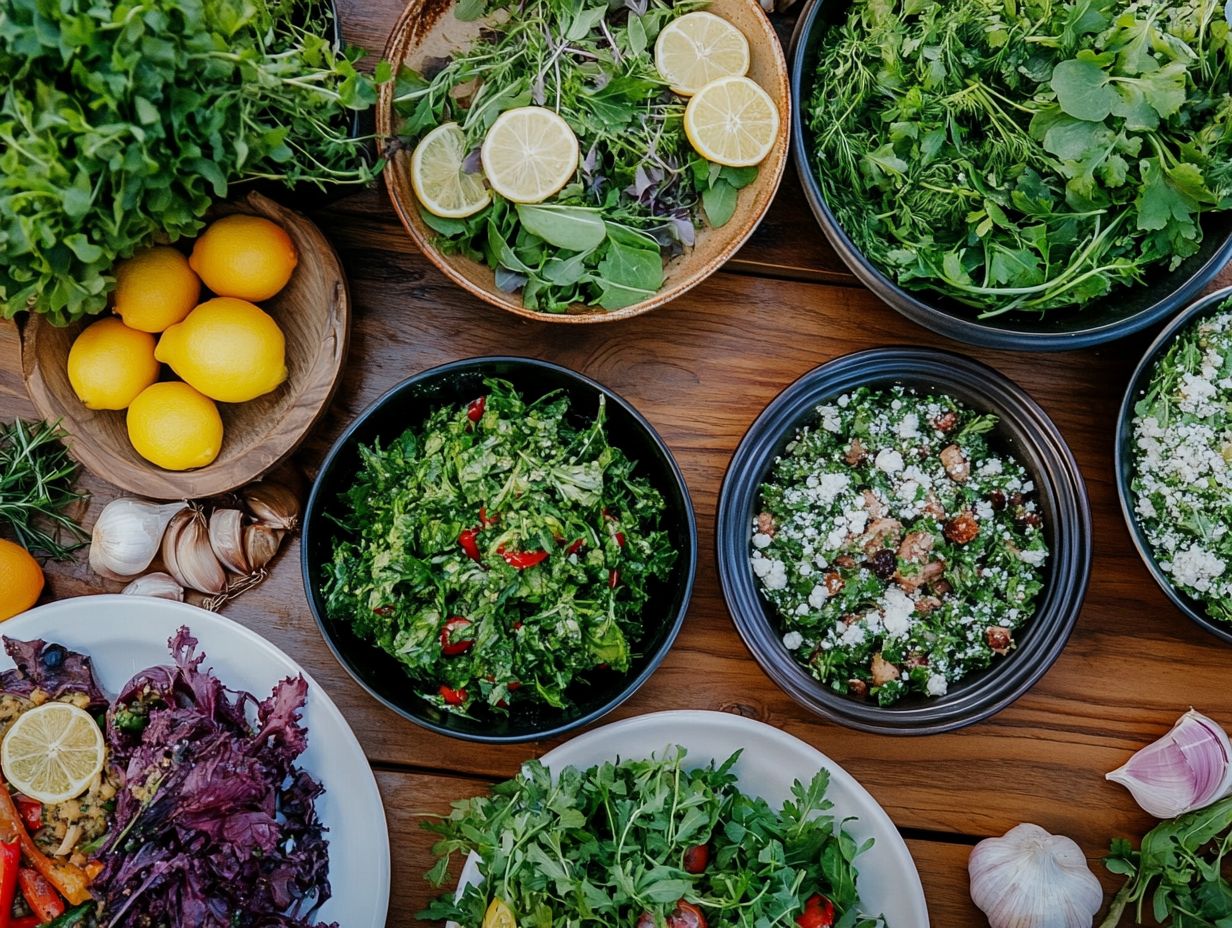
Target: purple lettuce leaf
point(52, 668)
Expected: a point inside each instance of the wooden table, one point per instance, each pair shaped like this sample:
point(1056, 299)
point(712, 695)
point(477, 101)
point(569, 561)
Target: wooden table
point(701, 369)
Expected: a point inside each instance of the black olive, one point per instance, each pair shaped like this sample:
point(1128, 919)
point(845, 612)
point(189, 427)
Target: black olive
point(53, 656)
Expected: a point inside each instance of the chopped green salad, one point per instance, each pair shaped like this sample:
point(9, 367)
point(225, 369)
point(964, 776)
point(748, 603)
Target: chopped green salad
point(900, 550)
point(1182, 447)
point(648, 844)
point(500, 551)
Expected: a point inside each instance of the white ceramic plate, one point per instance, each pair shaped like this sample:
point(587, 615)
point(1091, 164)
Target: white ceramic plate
point(125, 634)
point(771, 761)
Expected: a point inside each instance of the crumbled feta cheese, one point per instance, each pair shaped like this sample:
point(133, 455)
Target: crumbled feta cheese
point(1196, 567)
point(1034, 558)
point(792, 641)
point(818, 596)
point(897, 612)
point(937, 685)
point(776, 577)
point(889, 461)
point(761, 540)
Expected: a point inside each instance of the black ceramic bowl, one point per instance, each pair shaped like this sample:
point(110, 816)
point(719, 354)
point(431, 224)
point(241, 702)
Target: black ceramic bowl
point(1206, 306)
point(1121, 313)
point(408, 404)
point(1024, 431)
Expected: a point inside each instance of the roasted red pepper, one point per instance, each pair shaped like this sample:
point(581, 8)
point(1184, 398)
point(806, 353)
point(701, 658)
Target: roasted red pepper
point(26, 921)
point(31, 812)
point(520, 560)
point(485, 520)
point(40, 895)
point(451, 644)
point(451, 696)
point(575, 547)
point(474, 411)
point(620, 539)
point(68, 878)
point(10, 863)
point(818, 913)
point(467, 540)
point(613, 578)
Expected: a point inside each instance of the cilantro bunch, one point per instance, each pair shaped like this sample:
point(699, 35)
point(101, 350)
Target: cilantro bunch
point(611, 844)
point(641, 192)
point(1024, 154)
point(122, 121)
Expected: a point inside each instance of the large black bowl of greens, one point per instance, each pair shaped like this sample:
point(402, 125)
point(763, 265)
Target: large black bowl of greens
point(500, 549)
point(1030, 175)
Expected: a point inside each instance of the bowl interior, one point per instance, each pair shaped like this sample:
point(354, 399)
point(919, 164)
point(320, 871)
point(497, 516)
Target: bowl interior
point(313, 311)
point(408, 405)
point(1195, 610)
point(1022, 431)
point(429, 30)
point(1125, 310)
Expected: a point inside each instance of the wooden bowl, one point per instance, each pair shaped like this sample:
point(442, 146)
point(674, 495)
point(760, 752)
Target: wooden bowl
point(314, 313)
point(428, 29)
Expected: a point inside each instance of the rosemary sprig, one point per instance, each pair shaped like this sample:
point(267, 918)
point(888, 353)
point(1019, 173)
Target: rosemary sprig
point(36, 489)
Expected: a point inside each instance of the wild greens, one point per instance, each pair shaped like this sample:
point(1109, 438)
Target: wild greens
point(603, 846)
point(640, 193)
point(122, 121)
point(500, 551)
point(1024, 154)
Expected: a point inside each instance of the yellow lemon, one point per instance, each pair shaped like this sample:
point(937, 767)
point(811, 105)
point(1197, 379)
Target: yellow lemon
point(499, 915)
point(244, 256)
point(440, 183)
point(529, 154)
point(698, 48)
point(109, 364)
point(21, 579)
point(228, 349)
point(732, 121)
point(52, 752)
point(175, 427)
point(155, 288)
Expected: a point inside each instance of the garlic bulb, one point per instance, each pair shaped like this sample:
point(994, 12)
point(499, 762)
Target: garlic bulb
point(1029, 878)
point(275, 504)
point(261, 543)
point(126, 536)
point(158, 585)
point(1188, 768)
point(188, 556)
point(227, 540)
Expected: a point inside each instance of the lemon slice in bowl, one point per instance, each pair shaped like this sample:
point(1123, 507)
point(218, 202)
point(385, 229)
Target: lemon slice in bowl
point(443, 188)
point(529, 154)
point(698, 48)
point(52, 752)
point(499, 915)
point(732, 122)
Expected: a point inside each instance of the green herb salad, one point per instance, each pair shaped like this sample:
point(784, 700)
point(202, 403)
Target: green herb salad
point(499, 551)
point(648, 844)
point(900, 549)
point(1182, 449)
point(1024, 154)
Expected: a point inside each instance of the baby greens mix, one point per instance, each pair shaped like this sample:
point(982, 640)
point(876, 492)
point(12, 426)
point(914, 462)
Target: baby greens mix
point(500, 551)
point(634, 842)
point(1024, 154)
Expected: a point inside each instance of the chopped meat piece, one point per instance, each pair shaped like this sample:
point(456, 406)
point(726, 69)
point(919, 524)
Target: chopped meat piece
point(857, 688)
point(957, 467)
point(916, 660)
point(882, 670)
point(850, 618)
point(926, 604)
point(942, 588)
point(963, 528)
point(999, 639)
point(926, 574)
point(946, 422)
point(933, 507)
point(765, 524)
point(876, 508)
point(833, 582)
point(1031, 519)
point(881, 533)
point(845, 560)
point(916, 545)
point(855, 453)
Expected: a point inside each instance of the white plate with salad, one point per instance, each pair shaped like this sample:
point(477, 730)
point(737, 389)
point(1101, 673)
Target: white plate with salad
point(192, 670)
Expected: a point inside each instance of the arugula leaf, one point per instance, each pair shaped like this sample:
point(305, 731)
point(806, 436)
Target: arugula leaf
point(573, 228)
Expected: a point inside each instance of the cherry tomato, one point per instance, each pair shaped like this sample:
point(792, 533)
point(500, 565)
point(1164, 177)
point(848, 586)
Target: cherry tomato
point(697, 858)
point(686, 915)
point(646, 920)
point(474, 411)
point(467, 540)
point(451, 644)
point(818, 913)
point(451, 696)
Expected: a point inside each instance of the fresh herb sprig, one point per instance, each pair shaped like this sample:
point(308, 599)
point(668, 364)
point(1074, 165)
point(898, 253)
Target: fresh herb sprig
point(1024, 154)
point(602, 846)
point(122, 122)
point(641, 191)
point(37, 499)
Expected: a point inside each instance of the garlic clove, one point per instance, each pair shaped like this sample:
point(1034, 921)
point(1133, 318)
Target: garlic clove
point(1029, 878)
point(170, 541)
point(261, 543)
point(227, 540)
point(188, 556)
point(158, 585)
point(126, 536)
point(275, 504)
point(1188, 768)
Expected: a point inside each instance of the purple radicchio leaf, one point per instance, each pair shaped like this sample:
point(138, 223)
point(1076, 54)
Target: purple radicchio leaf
point(508, 281)
point(52, 668)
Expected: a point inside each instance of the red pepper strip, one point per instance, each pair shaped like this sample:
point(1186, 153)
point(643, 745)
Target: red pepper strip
point(69, 879)
point(818, 913)
point(474, 411)
point(452, 646)
point(620, 539)
point(575, 547)
point(520, 560)
point(26, 921)
point(43, 900)
point(468, 543)
point(31, 812)
point(451, 696)
point(10, 863)
point(613, 578)
point(485, 520)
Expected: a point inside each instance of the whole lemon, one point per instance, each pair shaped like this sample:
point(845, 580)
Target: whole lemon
point(228, 349)
point(244, 256)
point(21, 579)
point(109, 364)
point(172, 425)
point(155, 288)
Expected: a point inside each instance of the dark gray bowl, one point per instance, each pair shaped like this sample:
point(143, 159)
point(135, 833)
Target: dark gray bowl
point(408, 404)
point(1023, 430)
point(1125, 465)
point(1121, 313)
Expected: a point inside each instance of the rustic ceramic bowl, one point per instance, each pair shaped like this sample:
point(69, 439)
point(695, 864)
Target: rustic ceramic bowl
point(428, 29)
point(314, 313)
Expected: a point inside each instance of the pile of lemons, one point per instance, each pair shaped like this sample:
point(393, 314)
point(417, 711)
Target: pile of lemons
point(224, 350)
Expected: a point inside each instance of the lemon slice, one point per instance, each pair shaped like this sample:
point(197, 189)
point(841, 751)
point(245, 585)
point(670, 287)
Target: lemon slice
point(499, 915)
point(51, 753)
point(699, 48)
point(441, 185)
point(732, 121)
point(529, 154)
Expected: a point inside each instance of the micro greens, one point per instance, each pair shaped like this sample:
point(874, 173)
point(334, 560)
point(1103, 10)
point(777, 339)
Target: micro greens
point(36, 494)
point(640, 193)
point(1024, 154)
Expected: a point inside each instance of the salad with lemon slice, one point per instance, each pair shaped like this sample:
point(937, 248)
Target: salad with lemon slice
point(575, 147)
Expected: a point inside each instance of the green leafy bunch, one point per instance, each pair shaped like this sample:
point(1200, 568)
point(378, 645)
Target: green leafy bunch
point(640, 192)
point(1024, 154)
point(602, 846)
point(122, 121)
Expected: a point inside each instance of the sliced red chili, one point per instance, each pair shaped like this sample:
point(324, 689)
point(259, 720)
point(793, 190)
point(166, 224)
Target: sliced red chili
point(520, 560)
point(40, 895)
point(818, 913)
point(613, 578)
point(451, 644)
point(467, 540)
point(474, 411)
point(451, 696)
point(31, 811)
point(575, 547)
